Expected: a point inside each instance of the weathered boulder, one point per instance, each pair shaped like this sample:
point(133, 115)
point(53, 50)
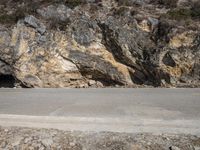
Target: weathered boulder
point(39, 65)
point(61, 12)
point(82, 31)
point(98, 68)
point(5, 51)
point(5, 68)
point(35, 23)
point(125, 43)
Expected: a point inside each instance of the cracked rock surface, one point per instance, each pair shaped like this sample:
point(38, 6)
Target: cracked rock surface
point(132, 43)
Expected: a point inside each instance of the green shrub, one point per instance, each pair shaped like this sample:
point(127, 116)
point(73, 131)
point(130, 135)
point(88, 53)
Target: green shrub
point(169, 3)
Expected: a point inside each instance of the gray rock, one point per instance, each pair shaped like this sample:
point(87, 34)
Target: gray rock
point(5, 50)
point(196, 148)
point(82, 33)
point(125, 43)
point(42, 39)
point(5, 69)
point(61, 12)
point(99, 84)
point(27, 140)
point(35, 23)
point(47, 142)
point(3, 144)
point(31, 81)
point(153, 22)
point(92, 82)
point(174, 148)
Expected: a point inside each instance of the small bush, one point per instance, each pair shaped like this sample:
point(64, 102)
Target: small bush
point(19, 8)
point(7, 19)
point(184, 13)
point(74, 3)
point(121, 11)
point(195, 10)
point(169, 3)
point(129, 3)
point(179, 14)
point(166, 3)
point(123, 2)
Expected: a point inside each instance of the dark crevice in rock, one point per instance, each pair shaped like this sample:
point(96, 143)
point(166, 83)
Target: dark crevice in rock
point(138, 77)
point(168, 60)
point(97, 76)
point(149, 75)
point(160, 34)
point(154, 74)
point(7, 81)
point(4, 62)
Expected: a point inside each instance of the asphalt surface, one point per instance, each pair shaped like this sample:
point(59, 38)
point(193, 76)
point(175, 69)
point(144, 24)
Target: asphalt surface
point(117, 110)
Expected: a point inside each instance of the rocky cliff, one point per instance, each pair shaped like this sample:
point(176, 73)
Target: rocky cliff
point(99, 43)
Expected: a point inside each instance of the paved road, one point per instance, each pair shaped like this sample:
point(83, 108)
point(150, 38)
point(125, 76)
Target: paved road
point(118, 110)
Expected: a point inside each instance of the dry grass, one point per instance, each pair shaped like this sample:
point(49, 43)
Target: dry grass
point(21, 8)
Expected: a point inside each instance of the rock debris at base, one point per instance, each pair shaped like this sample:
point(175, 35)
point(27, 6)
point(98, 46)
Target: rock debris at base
point(50, 139)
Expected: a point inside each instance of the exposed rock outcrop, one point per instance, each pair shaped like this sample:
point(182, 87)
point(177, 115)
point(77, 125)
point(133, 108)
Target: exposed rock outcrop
point(100, 43)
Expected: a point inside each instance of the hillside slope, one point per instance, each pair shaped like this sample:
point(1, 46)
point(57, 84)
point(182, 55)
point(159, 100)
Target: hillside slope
point(100, 43)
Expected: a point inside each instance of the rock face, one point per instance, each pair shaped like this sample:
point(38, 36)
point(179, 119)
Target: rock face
point(99, 43)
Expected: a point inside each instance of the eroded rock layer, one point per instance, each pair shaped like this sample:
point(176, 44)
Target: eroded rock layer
point(99, 43)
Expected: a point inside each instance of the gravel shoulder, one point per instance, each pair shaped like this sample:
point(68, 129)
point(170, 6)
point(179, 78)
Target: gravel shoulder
point(34, 139)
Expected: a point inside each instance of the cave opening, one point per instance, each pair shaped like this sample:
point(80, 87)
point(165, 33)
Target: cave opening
point(7, 81)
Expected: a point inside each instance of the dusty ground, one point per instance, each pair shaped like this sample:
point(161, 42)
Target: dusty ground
point(40, 139)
